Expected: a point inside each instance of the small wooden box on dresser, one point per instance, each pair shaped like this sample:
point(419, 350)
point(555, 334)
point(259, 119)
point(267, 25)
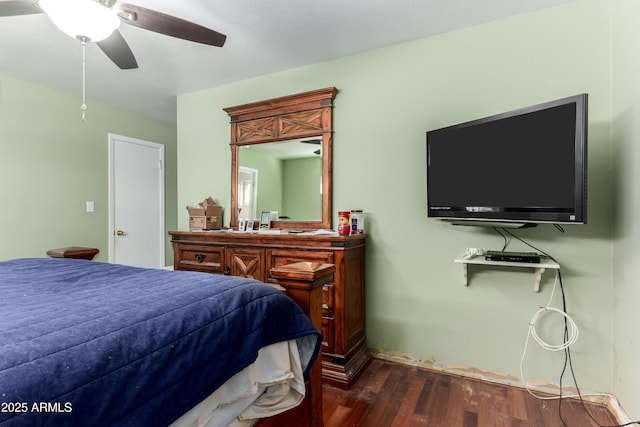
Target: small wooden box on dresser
point(344, 351)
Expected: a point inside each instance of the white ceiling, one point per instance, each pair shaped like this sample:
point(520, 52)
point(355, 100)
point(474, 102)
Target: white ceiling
point(262, 37)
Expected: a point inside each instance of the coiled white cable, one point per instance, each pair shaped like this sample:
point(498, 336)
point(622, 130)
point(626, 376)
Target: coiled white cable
point(573, 330)
point(571, 339)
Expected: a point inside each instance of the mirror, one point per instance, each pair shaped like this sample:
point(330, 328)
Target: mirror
point(281, 160)
point(283, 177)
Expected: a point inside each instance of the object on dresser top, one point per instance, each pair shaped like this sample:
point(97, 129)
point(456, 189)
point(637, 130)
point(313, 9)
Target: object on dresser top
point(357, 221)
point(207, 215)
point(324, 232)
point(273, 231)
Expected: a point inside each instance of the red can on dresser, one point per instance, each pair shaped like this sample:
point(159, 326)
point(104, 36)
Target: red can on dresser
point(343, 223)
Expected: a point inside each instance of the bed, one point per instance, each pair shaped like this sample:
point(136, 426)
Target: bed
point(89, 343)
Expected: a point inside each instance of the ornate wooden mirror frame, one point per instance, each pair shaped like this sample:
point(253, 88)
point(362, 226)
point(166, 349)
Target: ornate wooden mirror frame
point(301, 115)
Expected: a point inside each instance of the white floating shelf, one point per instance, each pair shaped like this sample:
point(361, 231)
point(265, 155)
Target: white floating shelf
point(538, 268)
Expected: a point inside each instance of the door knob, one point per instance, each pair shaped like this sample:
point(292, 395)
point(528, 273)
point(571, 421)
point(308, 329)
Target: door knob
point(120, 233)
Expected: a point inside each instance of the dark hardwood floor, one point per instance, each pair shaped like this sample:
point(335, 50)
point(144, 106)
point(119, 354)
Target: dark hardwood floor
point(393, 394)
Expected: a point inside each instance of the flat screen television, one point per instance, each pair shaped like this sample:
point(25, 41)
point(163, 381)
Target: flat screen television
point(522, 167)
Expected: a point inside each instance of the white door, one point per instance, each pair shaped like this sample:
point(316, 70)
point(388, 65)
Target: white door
point(247, 192)
point(136, 202)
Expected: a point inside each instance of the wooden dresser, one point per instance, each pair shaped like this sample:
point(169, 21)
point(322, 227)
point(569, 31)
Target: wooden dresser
point(253, 255)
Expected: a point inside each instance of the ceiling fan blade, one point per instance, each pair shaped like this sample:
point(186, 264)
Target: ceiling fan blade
point(169, 25)
point(117, 49)
point(18, 7)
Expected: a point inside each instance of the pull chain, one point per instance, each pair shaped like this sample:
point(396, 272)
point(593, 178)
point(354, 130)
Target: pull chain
point(83, 107)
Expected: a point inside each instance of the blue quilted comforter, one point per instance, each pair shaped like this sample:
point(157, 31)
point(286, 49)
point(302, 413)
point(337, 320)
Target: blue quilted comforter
point(86, 343)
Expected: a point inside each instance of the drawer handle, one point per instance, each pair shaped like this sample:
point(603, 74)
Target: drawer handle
point(200, 257)
point(227, 271)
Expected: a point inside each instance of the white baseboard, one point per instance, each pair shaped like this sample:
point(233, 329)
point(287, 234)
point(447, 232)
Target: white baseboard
point(614, 406)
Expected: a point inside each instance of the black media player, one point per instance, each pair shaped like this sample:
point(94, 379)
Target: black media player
point(530, 257)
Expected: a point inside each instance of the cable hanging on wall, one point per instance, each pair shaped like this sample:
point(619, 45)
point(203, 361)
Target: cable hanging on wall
point(570, 337)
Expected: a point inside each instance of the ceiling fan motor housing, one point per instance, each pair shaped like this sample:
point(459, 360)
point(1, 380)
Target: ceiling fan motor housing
point(81, 19)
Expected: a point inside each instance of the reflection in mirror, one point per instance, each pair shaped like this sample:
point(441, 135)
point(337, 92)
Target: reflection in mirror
point(283, 177)
point(247, 192)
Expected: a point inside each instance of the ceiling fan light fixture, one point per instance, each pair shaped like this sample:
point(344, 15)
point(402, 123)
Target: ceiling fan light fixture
point(86, 20)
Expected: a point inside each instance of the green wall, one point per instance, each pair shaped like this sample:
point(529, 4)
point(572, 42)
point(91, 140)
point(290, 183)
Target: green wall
point(302, 195)
point(626, 203)
point(416, 305)
point(51, 163)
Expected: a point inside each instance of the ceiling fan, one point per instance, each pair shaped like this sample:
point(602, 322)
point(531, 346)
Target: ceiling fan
point(97, 21)
point(314, 142)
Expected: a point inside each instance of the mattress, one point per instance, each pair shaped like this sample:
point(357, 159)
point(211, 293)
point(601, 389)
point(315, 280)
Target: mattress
point(89, 343)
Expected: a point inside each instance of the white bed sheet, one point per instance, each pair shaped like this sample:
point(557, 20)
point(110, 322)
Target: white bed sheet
point(272, 384)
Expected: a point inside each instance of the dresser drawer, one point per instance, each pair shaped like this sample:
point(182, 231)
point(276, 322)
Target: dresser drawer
point(327, 299)
point(280, 257)
point(201, 258)
point(246, 262)
point(327, 334)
